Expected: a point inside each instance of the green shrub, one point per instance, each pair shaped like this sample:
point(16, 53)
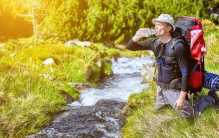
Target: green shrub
point(97, 20)
point(29, 102)
point(110, 20)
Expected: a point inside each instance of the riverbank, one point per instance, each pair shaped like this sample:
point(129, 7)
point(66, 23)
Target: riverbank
point(143, 121)
point(98, 112)
point(38, 79)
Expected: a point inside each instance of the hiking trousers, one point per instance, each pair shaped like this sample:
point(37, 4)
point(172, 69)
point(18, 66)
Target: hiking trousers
point(170, 96)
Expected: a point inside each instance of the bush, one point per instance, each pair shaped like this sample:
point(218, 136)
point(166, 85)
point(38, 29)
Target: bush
point(110, 20)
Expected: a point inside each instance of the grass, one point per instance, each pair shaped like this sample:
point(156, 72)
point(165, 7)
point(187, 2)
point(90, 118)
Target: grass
point(31, 93)
point(143, 122)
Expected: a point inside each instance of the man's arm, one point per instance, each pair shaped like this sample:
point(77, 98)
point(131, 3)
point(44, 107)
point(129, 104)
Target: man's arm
point(140, 45)
point(182, 60)
point(135, 44)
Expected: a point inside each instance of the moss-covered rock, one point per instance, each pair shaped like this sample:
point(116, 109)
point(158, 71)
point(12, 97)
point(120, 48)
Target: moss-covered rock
point(93, 72)
point(106, 67)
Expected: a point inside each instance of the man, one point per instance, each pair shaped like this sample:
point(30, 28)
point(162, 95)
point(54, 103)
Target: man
point(172, 66)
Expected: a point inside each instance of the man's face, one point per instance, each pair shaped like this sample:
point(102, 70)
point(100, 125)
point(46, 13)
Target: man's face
point(161, 29)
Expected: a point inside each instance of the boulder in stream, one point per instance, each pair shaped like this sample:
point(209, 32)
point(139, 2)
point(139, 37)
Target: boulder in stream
point(103, 120)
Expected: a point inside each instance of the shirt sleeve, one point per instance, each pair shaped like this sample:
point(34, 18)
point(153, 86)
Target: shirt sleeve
point(141, 45)
point(181, 55)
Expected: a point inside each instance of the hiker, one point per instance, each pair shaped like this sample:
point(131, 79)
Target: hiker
point(172, 66)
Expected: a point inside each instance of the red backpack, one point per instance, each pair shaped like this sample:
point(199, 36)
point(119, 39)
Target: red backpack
point(190, 29)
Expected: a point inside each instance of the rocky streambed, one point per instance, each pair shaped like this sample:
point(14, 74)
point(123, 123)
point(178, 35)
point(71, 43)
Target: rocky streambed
point(98, 113)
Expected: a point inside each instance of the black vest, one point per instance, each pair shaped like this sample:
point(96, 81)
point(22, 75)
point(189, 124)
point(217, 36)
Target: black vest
point(167, 65)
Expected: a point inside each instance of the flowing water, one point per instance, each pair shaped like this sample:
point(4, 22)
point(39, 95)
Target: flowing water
point(98, 112)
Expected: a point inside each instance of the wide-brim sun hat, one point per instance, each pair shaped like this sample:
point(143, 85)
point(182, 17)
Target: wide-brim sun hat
point(165, 18)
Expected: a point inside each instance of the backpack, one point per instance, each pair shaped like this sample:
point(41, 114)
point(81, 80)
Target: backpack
point(190, 30)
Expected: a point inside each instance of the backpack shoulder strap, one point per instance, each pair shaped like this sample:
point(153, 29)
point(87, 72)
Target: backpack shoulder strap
point(175, 41)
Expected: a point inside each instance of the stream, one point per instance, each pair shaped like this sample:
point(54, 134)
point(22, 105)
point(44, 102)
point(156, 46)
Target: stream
point(97, 114)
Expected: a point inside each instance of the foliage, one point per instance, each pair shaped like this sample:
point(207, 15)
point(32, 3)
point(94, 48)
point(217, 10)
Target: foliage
point(96, 20)
point(110, 20)
point(31, 93)
point(144, 122)
point(211, 39)
point(211, 3)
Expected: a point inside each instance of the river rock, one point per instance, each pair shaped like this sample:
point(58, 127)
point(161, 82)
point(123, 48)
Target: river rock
point(77, 42)
point(49, 61)
point(103, 120)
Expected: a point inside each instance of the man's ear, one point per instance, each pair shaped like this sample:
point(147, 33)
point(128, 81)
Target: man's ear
point(170, 29)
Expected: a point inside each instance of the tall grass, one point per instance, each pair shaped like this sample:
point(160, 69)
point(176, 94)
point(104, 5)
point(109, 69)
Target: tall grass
point(31, 93)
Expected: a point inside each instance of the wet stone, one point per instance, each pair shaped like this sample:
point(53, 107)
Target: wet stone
point(103, 120)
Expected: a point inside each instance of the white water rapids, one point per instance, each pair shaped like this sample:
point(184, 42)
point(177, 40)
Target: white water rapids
point(125, 81)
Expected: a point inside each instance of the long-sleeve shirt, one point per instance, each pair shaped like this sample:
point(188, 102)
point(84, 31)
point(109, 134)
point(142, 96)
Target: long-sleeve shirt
point(180, 53)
